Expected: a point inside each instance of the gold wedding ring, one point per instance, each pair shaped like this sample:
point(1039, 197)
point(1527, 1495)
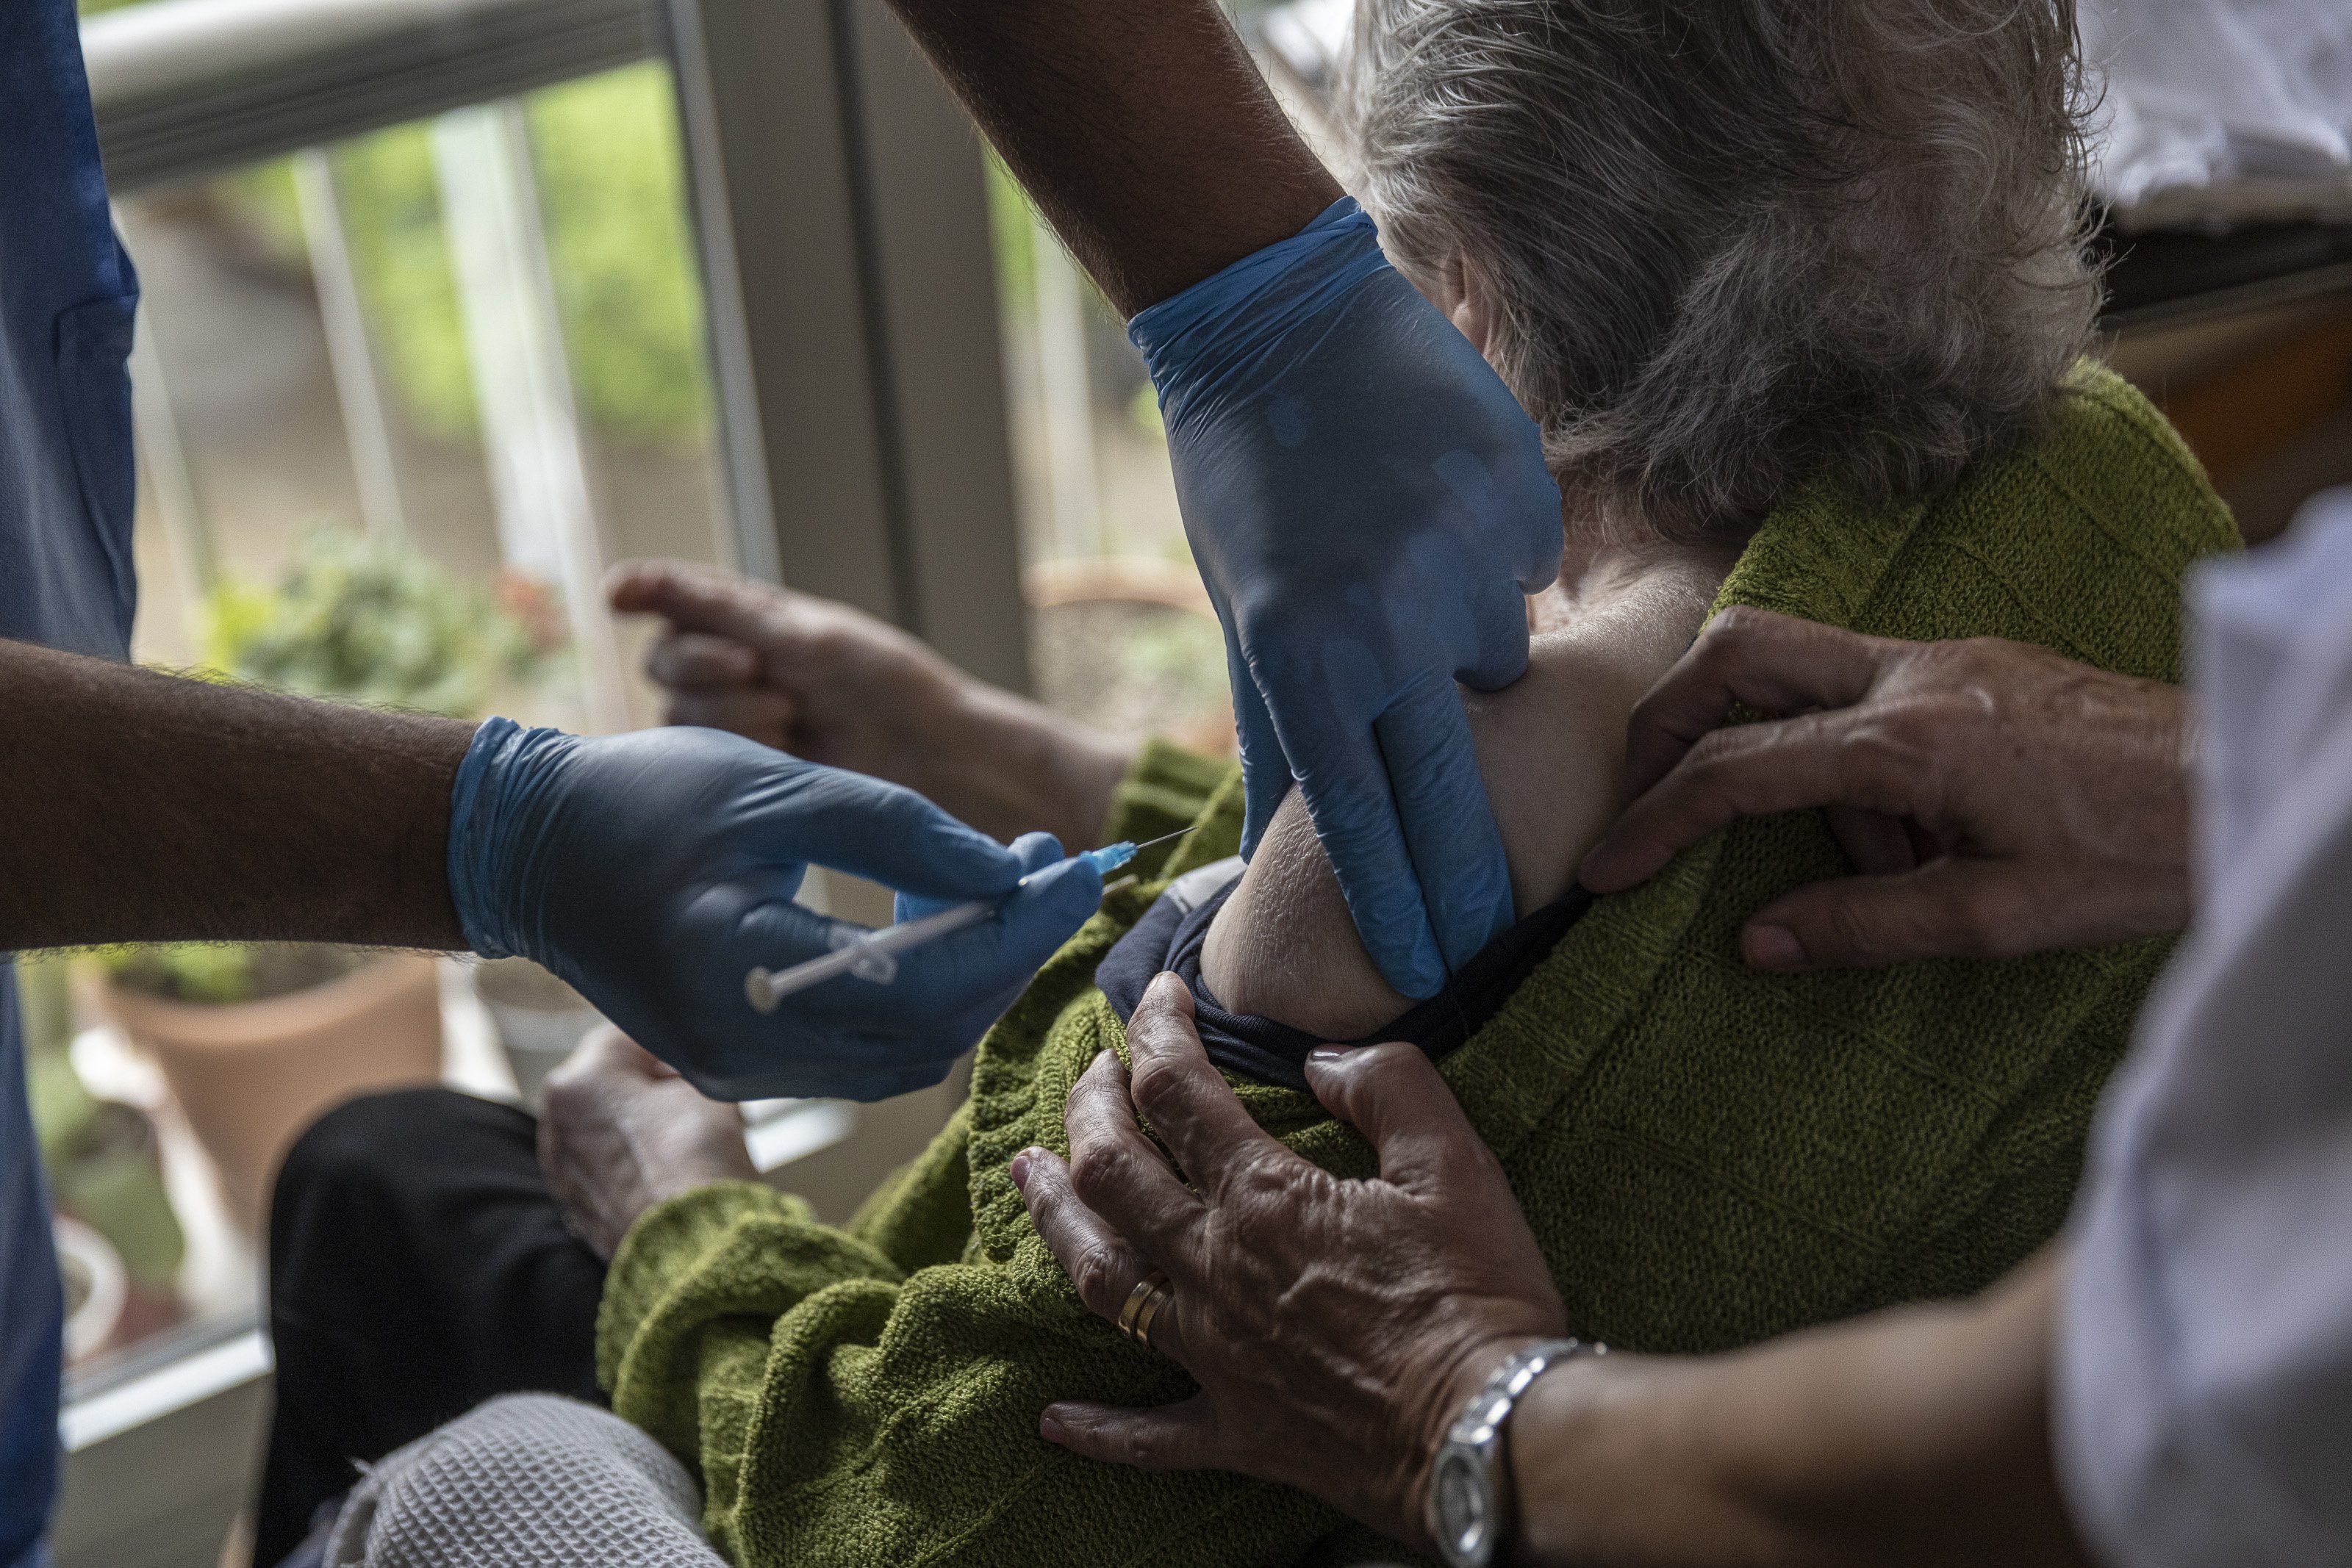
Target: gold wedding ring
point(1143, 1305)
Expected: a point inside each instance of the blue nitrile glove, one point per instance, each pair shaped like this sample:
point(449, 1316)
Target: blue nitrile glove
point(654, 871)
point(1036, 852)
point(1368, 503)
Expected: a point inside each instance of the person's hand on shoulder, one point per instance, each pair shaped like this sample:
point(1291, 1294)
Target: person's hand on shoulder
point(1425, 1278)
point(1997, 799)
point(1367, 505)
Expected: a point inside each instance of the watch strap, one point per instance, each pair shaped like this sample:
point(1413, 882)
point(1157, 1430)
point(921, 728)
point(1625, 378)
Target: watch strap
point(1465, 1507)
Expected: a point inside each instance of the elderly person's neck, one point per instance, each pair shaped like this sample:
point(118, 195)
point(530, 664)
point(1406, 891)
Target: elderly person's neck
point(1550, 747)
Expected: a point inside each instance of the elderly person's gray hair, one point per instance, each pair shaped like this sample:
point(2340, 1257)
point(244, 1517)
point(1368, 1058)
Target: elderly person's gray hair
point(1740, 243)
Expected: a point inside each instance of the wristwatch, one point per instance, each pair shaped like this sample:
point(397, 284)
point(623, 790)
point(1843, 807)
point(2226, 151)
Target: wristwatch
point(1467, 1500)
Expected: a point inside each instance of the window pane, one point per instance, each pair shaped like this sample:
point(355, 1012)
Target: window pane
point(1122, 631)
point(400, 402)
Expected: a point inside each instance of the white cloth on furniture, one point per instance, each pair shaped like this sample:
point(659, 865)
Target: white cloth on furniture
point(525, 1481)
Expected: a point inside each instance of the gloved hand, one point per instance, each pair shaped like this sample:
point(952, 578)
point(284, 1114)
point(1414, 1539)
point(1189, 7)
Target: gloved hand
point(653, 870)
point(1368, 504)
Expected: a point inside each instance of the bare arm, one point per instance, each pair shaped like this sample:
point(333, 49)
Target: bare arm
point(1143, 130)
point(652, 870)
point(1140, 126)
point(144, 807)
point(1918, 1435)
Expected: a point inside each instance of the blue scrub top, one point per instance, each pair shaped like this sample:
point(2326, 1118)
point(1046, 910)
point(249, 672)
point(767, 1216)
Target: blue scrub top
point(66, 294)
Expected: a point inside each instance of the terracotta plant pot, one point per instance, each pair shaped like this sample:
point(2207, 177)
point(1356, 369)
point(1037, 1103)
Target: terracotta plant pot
point(250, 1076)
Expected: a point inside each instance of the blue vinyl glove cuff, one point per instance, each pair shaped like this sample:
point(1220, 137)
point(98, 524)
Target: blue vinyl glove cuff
point(474, 833)
point(1367, 505)
point(653, 870)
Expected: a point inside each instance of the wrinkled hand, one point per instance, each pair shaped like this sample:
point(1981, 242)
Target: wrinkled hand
point(1366, 503)
point(1336, 1327)
point(834, 685)
point(1999, 799)
point(653, 870)
point(804, 674)
point(621, 1133)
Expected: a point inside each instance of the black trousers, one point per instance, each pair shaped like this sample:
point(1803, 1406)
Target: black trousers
point(418, 1265)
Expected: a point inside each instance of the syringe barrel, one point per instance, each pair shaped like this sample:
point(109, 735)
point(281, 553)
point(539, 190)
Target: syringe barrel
point(915, 933)
point(889, 940)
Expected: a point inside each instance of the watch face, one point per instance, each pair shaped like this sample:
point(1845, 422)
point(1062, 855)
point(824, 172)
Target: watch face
point(1465, 1506)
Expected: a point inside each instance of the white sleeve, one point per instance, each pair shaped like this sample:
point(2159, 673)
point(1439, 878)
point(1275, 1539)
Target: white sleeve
point(2202, 1393)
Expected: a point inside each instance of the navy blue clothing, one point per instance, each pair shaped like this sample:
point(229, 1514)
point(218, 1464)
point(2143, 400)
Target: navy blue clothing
point(67, 295)
point(1170, 937)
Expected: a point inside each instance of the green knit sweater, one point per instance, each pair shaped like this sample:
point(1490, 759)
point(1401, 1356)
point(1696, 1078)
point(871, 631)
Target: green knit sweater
point(1710, 1155)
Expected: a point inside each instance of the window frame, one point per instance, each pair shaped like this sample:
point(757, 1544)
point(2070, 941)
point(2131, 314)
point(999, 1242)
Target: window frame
point(839, 204)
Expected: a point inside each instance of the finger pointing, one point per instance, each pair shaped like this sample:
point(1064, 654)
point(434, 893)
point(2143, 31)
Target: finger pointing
point(692, 598)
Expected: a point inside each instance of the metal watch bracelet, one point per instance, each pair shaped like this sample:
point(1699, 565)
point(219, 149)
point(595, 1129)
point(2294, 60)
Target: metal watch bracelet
point(1466, 1505)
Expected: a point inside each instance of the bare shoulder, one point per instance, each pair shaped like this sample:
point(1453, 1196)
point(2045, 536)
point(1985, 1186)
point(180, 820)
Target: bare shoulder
point(1550, 747)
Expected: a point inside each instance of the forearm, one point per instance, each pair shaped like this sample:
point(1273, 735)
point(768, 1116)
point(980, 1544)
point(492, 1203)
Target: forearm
point(144, 807)
point(1009, 766)
point(1919, 1435)
point(1140, 126)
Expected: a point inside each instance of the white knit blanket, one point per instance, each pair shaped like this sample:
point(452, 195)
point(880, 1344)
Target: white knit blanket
point(528, 1481)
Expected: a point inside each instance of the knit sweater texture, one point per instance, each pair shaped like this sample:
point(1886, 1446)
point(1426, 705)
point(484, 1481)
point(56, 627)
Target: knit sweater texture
point(1710, 1155)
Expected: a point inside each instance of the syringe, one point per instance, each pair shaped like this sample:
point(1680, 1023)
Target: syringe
point(874, 955)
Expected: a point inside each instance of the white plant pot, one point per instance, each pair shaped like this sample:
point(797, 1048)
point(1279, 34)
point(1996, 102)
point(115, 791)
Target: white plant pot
point(538, 1018)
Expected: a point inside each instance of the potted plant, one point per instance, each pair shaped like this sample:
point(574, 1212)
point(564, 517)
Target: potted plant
point(258, 1039)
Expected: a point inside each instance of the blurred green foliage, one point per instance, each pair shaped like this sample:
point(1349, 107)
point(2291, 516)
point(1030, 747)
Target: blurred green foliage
point(357, 618)
point(1183, 655)
point(99, 1156)
point(200, 971)
point(1016, 234)
point(613, 205)
point(372, 621)
point(611, 180)
point(392, 223)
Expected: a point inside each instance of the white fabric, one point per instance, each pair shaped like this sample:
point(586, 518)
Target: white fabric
point(528, 1481)
point(2203, 1388)
point(2219, 109)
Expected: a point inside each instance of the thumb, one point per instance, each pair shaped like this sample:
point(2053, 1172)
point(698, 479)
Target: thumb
point(983, 960)
point(1392, 1094)
point(1951, 907)
point(1034, 851)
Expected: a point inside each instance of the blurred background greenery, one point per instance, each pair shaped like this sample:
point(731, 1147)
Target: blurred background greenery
point(607, 154)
